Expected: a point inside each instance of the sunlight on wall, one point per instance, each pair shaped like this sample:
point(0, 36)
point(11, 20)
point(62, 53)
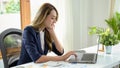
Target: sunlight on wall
point(117, 6)
point(9, 21)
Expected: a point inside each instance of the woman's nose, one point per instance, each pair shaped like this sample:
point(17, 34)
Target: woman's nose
point(54, 21)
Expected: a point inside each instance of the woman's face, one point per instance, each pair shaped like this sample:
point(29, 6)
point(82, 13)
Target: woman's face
point(50, 19)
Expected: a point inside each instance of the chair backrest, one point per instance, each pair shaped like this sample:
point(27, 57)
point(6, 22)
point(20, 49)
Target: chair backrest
point(10, 44)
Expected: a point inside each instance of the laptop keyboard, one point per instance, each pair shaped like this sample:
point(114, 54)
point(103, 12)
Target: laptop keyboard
point(88, 57)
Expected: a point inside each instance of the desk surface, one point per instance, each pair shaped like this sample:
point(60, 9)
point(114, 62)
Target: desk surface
point(1, 63)
point(103, 61)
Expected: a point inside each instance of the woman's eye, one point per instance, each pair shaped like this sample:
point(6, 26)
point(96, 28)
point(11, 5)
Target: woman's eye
point(53, 18)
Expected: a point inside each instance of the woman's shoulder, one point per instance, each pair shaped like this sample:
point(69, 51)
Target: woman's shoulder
point(29, 28)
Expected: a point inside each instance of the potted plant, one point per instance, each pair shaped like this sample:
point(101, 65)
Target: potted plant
point(114, 24)
point(107, 38)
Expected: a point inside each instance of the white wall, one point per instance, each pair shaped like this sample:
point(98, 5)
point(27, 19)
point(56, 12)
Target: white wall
point(9, 21)
point(117, 6)
point(87, 13)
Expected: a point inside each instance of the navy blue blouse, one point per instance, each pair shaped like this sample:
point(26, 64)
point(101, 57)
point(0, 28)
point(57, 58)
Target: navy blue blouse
point(31, 46)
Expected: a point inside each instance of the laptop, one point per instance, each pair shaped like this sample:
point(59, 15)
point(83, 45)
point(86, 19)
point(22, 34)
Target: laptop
point(83, 57)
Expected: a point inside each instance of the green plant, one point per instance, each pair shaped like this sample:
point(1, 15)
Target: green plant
point(107, 38)
point(114, 24)
point(96, 30)
point(13, 6)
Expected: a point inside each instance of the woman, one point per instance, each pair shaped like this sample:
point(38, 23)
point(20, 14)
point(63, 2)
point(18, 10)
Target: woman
point(39, 38)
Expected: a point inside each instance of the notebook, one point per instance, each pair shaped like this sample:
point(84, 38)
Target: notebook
point(83, 57)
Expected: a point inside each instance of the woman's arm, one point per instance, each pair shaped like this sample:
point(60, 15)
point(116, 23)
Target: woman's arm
point(56, 41)
point(44, 58)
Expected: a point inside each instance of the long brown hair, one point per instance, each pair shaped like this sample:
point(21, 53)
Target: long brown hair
point(40, 17)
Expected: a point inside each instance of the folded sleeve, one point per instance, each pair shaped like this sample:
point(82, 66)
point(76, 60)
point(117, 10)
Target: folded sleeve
point(55, 50)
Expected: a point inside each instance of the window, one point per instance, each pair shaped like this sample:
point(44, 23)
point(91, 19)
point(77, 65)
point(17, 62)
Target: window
point(9, 14)
point(9, 6)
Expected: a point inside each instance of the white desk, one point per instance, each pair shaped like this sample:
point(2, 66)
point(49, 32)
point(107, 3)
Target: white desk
point(103, 61)
point(1, 63)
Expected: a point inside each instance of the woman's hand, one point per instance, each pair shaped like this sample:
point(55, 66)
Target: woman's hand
point(51, 28)
point(54, 37)
point(68, 54)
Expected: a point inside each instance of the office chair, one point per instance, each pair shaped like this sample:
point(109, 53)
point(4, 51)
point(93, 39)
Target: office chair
point(10, 44)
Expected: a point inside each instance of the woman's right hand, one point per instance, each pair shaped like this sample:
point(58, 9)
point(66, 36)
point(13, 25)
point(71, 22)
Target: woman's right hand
point(68, 54)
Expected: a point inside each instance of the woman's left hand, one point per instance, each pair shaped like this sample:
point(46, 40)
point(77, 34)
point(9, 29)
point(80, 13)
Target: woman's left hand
point(51, 29)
